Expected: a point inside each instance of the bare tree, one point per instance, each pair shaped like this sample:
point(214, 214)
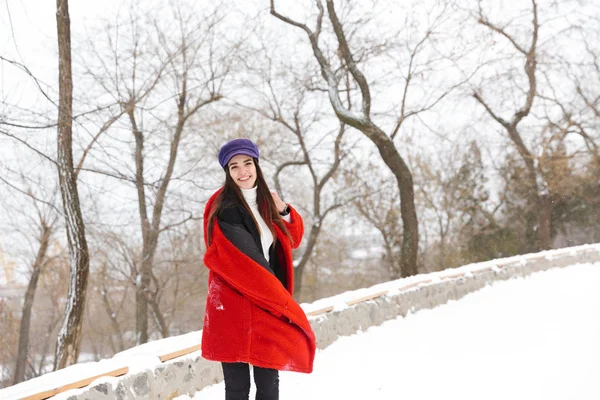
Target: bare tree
point(378, 204)
point(69, 339)
point(587, 120)
point(570, 160)
point(362, 119)
point(31, 183)
point(540, 199)
point(8, 341)
point(168, 80)
point(452, 191)
point(289, 110)
point(35, 227)
point(49, 308)
point(319, 210)
point(107, 292)
point(46, 229)
point(363, 122)
point(116, 272)
point(187, 105)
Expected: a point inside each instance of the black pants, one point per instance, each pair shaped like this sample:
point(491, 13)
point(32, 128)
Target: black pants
point(237, 382)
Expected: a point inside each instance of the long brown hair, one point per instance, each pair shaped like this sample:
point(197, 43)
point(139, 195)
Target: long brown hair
point(231, 195)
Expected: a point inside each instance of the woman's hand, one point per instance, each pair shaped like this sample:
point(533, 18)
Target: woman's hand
point(279, 204)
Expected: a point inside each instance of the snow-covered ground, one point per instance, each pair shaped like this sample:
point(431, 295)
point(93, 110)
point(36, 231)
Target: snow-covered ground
point(529, 338)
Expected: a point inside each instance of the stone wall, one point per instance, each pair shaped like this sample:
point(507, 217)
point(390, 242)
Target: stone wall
point(190, 373)
point(330, 326)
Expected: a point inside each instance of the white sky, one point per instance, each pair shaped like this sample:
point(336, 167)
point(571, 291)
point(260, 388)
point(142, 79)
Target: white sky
point(28, 35)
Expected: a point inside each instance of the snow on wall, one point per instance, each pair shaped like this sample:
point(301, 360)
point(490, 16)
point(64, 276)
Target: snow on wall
point(348, 313)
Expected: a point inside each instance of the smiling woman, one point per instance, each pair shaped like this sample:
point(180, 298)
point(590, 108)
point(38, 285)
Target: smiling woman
point(251, 317)
point(243, 171)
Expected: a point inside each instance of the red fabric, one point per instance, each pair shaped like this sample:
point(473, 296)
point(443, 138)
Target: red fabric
point(250, 317)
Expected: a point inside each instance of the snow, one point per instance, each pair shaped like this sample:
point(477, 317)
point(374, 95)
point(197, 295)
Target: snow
point(499, 341)
point(138, 359)
point(339, 302)
point(525, 338)
point(70, 374)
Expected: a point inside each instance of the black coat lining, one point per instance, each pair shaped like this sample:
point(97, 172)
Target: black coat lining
point(239, 228)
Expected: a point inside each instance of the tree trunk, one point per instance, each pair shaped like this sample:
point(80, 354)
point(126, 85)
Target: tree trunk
point(69, 338)
point(151, 228)
point(114, 323)
point(392, 158)
point(533, 214)
point(142, 281)
point(45, 353)
point(545, 222)
point(141, 298)
point(160, 319)
point(389, 259)
point(442, 265)
point(299, 269)
point(23, 348)
point(531, 219)
point(410, 225)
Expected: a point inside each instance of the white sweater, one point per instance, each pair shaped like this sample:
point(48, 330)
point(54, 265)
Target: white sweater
point(266, 237)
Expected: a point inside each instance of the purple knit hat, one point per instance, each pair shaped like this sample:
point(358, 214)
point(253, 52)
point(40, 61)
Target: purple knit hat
point(235, 147)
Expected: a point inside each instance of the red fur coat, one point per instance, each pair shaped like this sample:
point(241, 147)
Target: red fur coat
point(250, 316)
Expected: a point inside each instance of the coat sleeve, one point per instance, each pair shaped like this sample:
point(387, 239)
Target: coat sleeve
point(296, 227)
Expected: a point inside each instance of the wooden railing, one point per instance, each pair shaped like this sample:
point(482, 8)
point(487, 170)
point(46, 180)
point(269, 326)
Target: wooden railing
point(179, 353)
point(415, 282)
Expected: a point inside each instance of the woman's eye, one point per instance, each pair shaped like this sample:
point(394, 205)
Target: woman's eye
point(232, 168)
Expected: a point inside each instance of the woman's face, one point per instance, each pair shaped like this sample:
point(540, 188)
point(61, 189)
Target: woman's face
point(243, 171)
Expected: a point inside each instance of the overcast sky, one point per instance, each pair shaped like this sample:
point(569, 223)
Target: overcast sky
point(28, 36)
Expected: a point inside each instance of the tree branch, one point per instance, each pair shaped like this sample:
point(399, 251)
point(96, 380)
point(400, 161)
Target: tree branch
point(281, 168)
point(29, 146)
point(334, 95)
point(28, 72)
point(500, 120)
point(29, 194)
point(347, 54)
point(104, 128)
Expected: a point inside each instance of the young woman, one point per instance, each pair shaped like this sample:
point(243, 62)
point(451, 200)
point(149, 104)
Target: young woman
point(251, 317)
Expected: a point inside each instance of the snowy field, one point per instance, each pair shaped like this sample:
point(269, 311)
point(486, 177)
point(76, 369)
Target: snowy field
point(529, 338)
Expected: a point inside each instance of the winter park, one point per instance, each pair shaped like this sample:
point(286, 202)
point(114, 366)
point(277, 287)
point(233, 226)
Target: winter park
point(326, 199)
